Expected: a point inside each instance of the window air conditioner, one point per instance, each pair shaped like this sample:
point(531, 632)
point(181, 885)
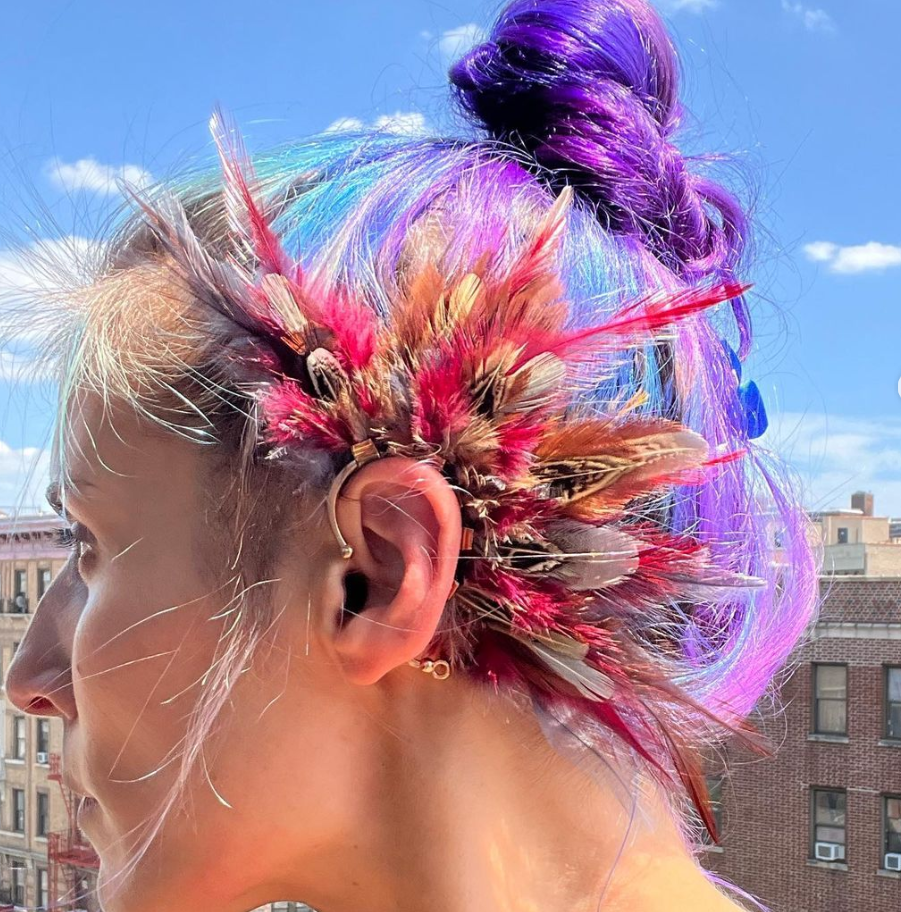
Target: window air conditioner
point(828, 851)
point(43, 757)
point(893, 861)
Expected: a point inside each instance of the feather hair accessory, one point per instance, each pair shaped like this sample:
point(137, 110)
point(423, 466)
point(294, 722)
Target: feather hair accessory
point(477, 372)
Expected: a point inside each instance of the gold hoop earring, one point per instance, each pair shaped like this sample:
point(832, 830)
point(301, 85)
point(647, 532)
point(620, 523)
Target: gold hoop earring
point(439, 669)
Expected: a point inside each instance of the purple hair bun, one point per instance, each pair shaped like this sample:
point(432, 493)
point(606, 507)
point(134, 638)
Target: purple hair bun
point(589, 90)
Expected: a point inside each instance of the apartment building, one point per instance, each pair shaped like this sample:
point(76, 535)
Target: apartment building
point(33, 811)
point(817, 828)
point(856, 542)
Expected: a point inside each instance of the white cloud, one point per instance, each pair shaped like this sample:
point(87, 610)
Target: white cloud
point(455, 42)
point(345, 125)
point(405, 123)
point(814, 20)
point(689, 6)
point(22, 368)
point(32, 278)
point(850, 260)
point(837, 455)
point(24, 475)
point(90, 174)
point(821, 251)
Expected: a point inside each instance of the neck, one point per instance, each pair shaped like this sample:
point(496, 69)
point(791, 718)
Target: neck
point(477, 811)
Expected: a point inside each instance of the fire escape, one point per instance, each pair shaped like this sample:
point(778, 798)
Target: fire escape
point(72, 862)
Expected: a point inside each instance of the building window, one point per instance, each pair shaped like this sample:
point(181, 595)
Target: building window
point(43, 740)
point(43, 889)
point(891, 814)
point(18, 811)
point(18, 882)
point(842, 535)
point(828, 830)
point(82, 891)
point(43, 581)
point(893, 704)
point(20, 592)
point(830, 699)
point(18, 737)
point(43, 813)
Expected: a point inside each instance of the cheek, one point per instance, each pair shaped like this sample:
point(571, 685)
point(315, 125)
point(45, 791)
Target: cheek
point(143, 641)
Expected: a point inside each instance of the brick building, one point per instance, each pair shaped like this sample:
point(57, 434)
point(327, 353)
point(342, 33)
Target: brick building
point(817, 828)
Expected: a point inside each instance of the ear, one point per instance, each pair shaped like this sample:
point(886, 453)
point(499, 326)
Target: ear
point(402, 519)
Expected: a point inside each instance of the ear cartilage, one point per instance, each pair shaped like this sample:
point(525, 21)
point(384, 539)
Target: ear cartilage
point(363, 452)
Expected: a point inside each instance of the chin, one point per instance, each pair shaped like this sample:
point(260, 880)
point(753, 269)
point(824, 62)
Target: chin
point(160, 881)
point(127, 894)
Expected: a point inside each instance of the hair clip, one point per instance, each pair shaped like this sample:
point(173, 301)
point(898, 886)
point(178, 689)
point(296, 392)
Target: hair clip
point(749, 399)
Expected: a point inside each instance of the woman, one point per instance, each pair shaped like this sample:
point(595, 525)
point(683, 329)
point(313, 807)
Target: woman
point(421, 550)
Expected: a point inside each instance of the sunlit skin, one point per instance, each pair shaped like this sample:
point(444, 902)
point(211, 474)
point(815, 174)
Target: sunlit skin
point(356, 782)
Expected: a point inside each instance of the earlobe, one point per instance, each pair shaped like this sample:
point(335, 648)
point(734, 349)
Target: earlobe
point(402, 520)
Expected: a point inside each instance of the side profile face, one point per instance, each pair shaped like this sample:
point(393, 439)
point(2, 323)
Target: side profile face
point(119, 648)
point(125, 644)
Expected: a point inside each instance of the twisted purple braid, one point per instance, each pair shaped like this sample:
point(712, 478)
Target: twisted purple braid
point(590, 92)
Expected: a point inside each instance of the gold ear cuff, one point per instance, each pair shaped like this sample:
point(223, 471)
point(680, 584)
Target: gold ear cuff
point(363, 452)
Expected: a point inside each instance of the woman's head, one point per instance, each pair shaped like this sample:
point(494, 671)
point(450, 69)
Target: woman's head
point(221, 667)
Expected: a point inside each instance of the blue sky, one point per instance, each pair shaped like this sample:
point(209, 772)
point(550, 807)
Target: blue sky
point(802, 95)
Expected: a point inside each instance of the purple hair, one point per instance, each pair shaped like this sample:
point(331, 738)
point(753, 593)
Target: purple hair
point(590, 91)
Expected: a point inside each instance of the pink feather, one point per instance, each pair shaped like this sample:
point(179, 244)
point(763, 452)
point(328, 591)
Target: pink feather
point(637, 322)
point(292, 416)
point(247, 216)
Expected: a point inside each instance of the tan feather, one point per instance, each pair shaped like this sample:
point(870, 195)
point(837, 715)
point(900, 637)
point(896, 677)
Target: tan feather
point(562, 659)
point(595, 459)
point(327, 376)
point(532, 386)
point(281, 299)
point(414, 312)
point(463, 298)
point(593, 557)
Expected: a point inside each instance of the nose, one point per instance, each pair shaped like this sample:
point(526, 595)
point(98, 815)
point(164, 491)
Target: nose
point(39, 680)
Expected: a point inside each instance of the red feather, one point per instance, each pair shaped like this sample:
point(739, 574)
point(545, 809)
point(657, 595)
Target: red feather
point(246, 213)
point(640, 320)
point(292, 415)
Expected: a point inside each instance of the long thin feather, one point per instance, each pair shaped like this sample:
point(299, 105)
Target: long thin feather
point(250, 224)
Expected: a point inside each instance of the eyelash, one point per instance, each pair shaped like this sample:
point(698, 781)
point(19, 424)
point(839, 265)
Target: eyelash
point(71, 537)
point(65, 537)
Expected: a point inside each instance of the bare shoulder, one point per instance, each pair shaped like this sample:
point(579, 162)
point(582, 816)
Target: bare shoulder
point(669, 884)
